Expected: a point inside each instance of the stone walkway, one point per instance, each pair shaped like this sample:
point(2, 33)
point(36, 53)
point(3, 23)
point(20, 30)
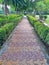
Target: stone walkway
point(23, 47)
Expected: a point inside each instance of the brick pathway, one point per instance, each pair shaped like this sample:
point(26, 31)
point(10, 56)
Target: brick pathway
point(23, 47)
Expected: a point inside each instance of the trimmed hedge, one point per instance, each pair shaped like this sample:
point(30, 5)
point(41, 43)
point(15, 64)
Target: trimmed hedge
point(2, 21)
point(32, 20)
point(41, 29)
point(7, 29)
point(13, 18)
point(8, 19)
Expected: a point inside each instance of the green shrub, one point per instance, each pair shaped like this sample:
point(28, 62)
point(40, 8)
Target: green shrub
point(37, 26)
point(5, 31)
point(47, 39)
point(13, 18)
point(7, 28)
point(32, 19)
point(9, 18)
point(44, 32)
point(3, 21)
point(3, 16)
point(2, 36)
point(41, 29)
point(45, 16)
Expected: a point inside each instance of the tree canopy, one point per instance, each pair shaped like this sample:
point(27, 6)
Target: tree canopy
point(28, 5)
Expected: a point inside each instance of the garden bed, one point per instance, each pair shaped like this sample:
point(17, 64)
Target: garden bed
point(41, 29)
point(7, 26)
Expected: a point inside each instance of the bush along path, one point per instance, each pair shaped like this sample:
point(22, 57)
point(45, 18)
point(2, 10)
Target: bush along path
point(7, 26)
point(41, 29)
point(23, 47)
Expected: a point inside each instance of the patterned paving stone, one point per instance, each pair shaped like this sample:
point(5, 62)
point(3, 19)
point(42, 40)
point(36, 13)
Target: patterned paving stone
point(23, 47)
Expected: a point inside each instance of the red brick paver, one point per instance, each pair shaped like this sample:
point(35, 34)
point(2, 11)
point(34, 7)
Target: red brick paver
point(23, 48)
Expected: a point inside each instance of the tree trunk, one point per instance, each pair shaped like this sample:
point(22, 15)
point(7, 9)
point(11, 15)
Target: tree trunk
point(34, 13)
point(6, 9)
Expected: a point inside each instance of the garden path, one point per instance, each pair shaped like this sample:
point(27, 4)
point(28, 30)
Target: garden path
point(23, 47)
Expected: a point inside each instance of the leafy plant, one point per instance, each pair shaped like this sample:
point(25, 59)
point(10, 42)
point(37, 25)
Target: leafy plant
point(41, 29)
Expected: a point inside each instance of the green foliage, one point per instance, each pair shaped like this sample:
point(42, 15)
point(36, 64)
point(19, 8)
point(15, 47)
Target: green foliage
point(2, 36)
point(40, 6)
point(46, 2)
point(11, 18)
point(1, 1)
point(47, 19)
point(32, 19)
point(8, 19)
point(47, 39)
point(2, 21)
point(41, 29)
point(6, 29)
point(28, 5)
